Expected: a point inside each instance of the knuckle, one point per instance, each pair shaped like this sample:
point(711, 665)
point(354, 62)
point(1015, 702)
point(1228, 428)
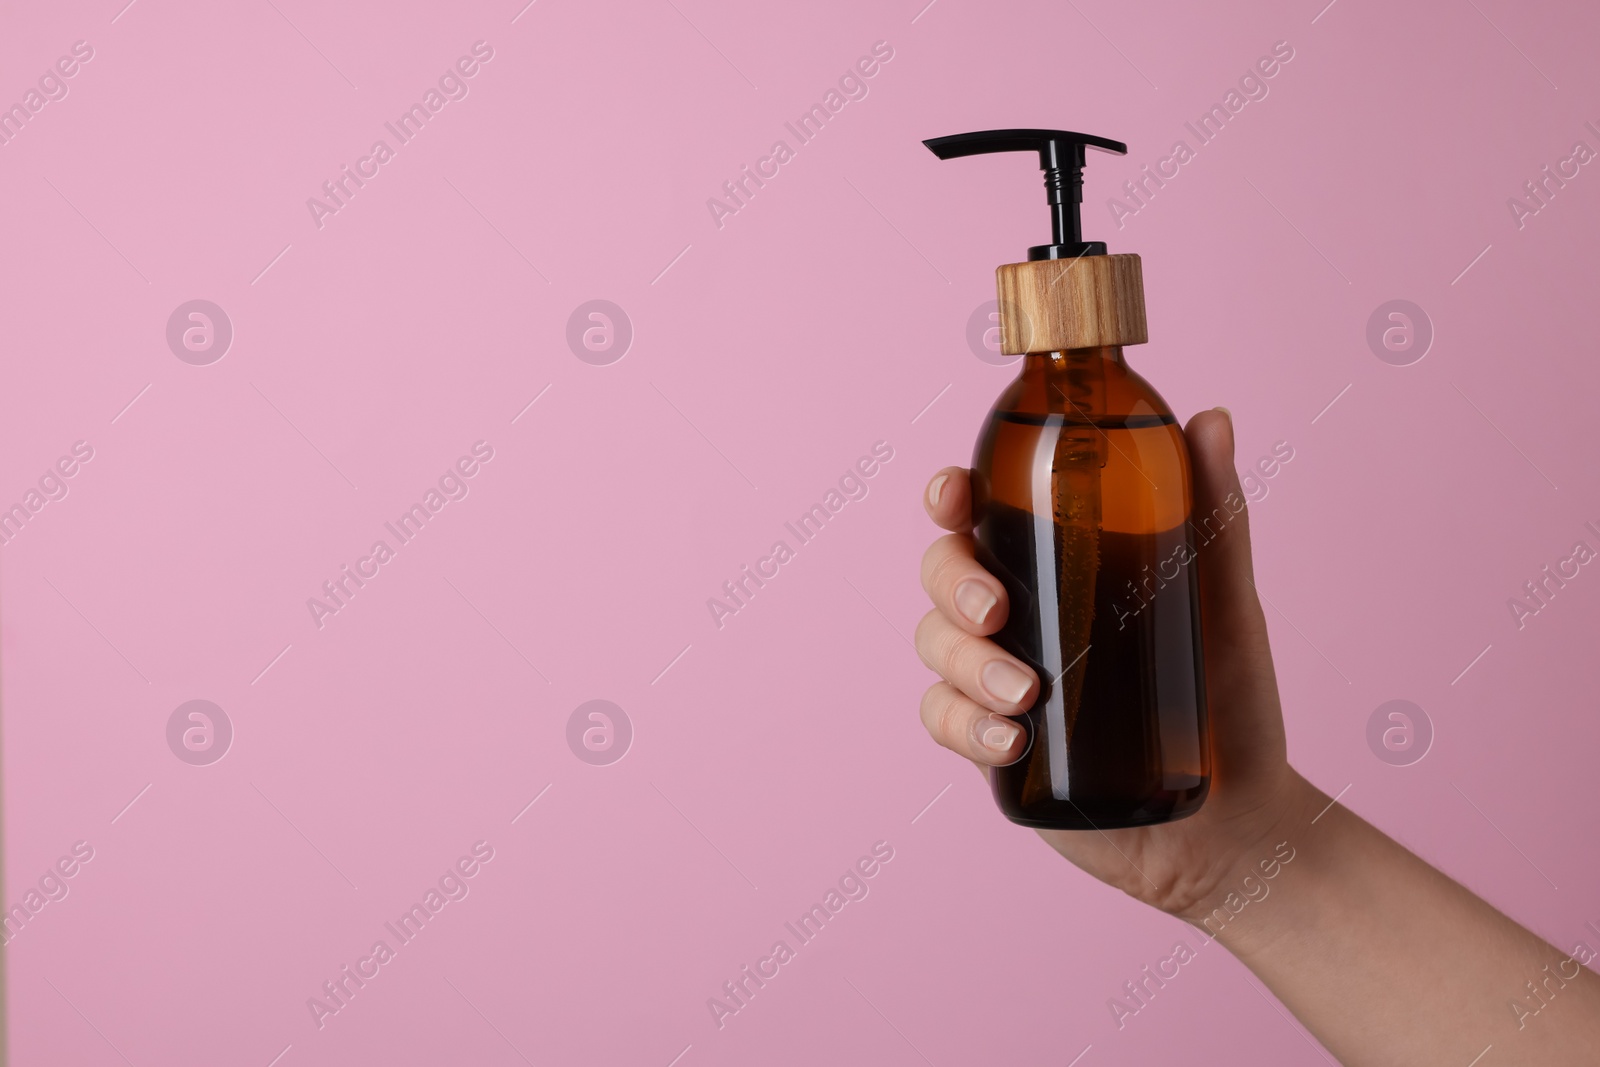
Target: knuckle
point(951, 648)
point(943, 557)
point(932, 707)
point(925, 638)
point(950, 723)
point(942, 573)
point(932, 561)
point(943, 714)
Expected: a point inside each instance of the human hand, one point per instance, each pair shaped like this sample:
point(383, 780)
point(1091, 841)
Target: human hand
point(1173, 866)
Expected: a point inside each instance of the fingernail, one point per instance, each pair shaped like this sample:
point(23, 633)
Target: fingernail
point(973, 600)
point(1005, 682)
point(1232, 444)
point(936, 489)
point(997, 734)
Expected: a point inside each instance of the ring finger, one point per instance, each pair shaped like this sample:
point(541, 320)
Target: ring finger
point(975, 665)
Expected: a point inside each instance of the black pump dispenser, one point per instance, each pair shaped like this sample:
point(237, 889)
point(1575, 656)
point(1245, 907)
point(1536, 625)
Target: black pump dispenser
point(1061, 157)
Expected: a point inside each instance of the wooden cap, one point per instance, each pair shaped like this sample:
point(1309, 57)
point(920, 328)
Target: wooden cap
point(1052, 304)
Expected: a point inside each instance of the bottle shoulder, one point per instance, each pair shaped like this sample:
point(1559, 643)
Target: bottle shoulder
point(1091, 424)
point(1104, 393)
point(1145, 393)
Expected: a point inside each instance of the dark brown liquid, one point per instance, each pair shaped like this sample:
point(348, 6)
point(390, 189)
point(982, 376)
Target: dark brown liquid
point(1132, 751)
point(1083, 515)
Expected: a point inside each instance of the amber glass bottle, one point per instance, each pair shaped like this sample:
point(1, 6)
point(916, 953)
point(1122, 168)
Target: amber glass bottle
point(1081, 493)
point(1081, 496)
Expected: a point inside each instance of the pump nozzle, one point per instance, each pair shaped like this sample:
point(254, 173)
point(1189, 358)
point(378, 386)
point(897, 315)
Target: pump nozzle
point(1061, 157)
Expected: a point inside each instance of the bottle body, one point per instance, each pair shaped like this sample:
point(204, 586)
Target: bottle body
point(1082, 501)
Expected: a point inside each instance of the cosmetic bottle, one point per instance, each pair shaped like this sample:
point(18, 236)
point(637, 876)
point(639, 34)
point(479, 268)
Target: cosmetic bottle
point(1081, 501)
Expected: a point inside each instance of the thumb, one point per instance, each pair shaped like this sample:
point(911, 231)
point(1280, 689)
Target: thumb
point(1241, 686)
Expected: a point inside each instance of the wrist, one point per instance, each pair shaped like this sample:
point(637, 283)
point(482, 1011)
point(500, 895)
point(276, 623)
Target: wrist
point(1237, 900)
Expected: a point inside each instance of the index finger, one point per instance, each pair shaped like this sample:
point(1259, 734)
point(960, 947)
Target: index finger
point(948, 499)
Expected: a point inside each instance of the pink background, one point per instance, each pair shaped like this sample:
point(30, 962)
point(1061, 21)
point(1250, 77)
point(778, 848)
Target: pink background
point(825, 316)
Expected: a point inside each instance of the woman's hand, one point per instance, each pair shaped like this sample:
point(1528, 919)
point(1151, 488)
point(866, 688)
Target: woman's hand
point(1175, 866)
point(1383, 958)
